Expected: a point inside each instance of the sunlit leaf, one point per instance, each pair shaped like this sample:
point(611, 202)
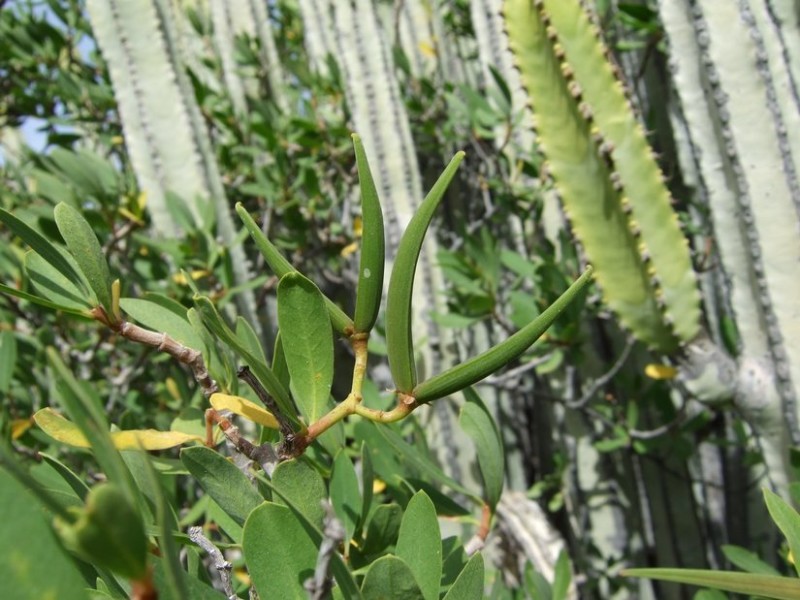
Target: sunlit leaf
point(278, 552)
point(307, 340)
point(479, 425)
point(469, 584)
point(787, 520)
point(390, 577)
point(66, 432)
point(244, 408)
point(161, 315)
point(223, 481)
point(48, 282)
point(78, 312)
point(41, 246)
point(85, 249)
point(419, 544)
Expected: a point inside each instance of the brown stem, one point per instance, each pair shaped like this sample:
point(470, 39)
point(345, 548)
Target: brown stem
point(143, 589)
point(264, 454)
point(284, 424)
point(163, 343)
point(478, 540)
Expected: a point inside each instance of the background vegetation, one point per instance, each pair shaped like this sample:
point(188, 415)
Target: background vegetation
point(154, 118)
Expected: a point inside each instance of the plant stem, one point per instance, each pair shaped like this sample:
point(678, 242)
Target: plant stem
point(352, 404)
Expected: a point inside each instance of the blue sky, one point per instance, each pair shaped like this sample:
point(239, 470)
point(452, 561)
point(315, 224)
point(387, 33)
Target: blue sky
point(30, 128)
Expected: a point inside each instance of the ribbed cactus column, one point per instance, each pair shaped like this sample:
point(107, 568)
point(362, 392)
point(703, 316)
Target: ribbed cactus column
point(166, 137)
point(236, 17)
point(734, 68)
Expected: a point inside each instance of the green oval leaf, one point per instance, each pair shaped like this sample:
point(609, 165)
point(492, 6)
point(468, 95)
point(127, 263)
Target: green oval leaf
point(469, 584)
point(414, 457)
point(747, 561)
point(383, 527)
point(301, 486)
point(48, 281)
point(345, 498)
point(419, 544)
point(223, 481)
point(163, 319)
point(41, 246)
point(486, 363)
point(280, 266)
point(479, 425)
point(347, 585)
point(307, 341)
point(399, 341)
point(787, 520)
point(248, 337)
point(44, 302)
point(85, 249)
point(278, 552)
point(390, 578)
point(373, 246)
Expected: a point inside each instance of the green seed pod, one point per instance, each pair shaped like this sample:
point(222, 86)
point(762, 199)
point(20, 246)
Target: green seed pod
point(373, 246)
point(486, 363)
point(399, 342)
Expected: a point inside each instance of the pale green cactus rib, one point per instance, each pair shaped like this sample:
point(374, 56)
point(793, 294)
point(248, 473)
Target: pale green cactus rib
point(738, 98)
point(236, 17)
point(584, 176)
point(410, 26)
point(494, 52)
point(164, 131)
point(224, 40)
point(271, 62)
point(634, 163)
point(318, 32)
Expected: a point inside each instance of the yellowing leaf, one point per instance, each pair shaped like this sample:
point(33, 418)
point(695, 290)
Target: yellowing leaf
point(427, 49)
point(378, 486)
point(244, 408)
point(19, 427)
point(358, 225)
point(351, 248)
point(172, 388)
point(130, 216)
point(180, 278)
point(66, 432)
point(654, 371)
